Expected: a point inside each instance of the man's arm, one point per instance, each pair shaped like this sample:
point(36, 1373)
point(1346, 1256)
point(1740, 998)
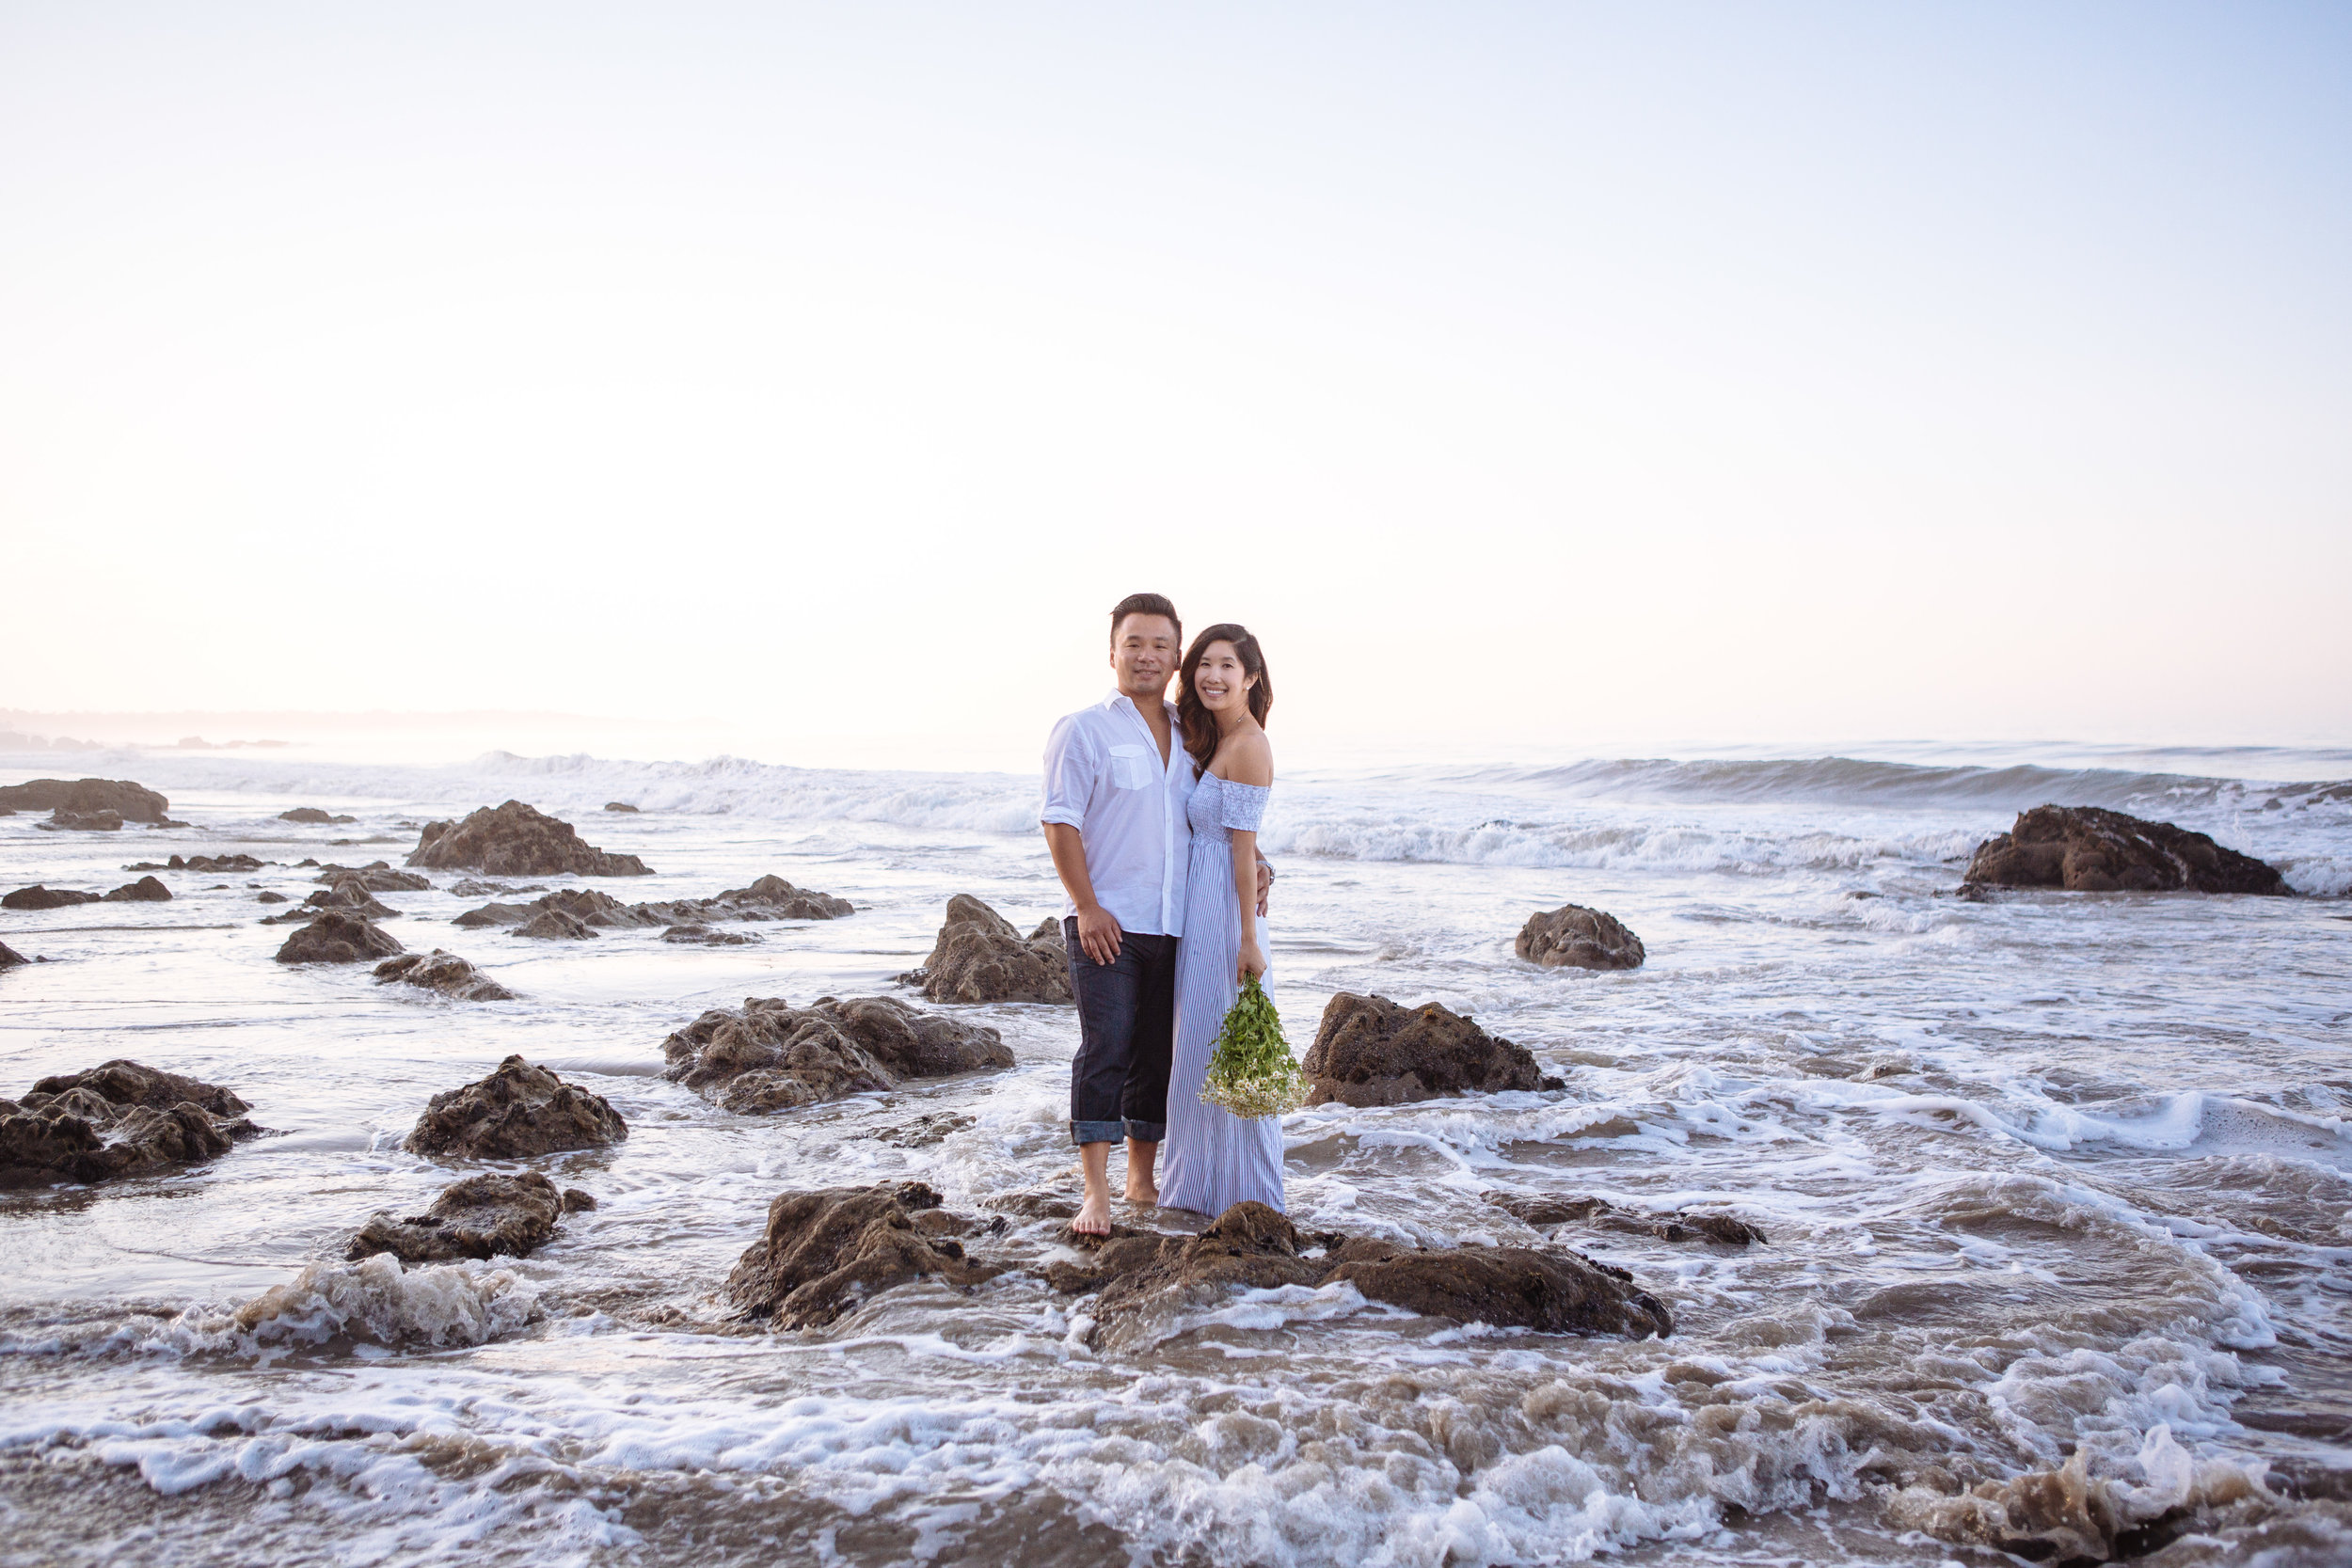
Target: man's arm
point(1099, 935)
point(1265, 881)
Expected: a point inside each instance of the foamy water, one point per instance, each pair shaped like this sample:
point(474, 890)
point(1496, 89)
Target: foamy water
point(2043, 1177)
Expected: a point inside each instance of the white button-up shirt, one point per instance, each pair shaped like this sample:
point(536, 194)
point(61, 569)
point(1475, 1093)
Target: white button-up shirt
point(1103, 777)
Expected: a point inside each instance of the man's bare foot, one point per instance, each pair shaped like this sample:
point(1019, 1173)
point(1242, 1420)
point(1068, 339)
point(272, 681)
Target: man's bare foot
point(1094, 1217)
point(1149, 1195)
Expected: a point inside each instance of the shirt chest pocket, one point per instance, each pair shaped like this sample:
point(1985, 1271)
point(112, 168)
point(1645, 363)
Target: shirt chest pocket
point(1131, 766)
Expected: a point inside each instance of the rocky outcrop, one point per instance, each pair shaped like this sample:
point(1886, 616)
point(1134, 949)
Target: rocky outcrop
point(10, 958)
point(705, 936)
point(201, 863)
point(2090, 849)
point(1680, 1225)
point(482, 1216)
point(518, 1112)
point(83, 822)
point(980, 957)
point(146, 890)
point(445, 972)
point(620, 806)
point(337, 938)
point(824, 1253)
point(555, 926)
point(769, 1055)
point(1574, 937)
point(1371, 1051)
point(314, 815)
point(769, 899)
point(119, 1118)
point(39, 897)
point(1150, 1284)
point(377, 876)
point(87, 797)
point(350, 898)
point(514, 840)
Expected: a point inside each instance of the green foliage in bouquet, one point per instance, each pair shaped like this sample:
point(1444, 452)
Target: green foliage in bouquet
point(1251, 1073)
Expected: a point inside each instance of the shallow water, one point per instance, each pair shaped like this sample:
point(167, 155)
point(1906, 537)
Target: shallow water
point(2045, 1174)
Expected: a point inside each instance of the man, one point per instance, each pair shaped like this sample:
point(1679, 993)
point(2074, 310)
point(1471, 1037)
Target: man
point(1116, 784)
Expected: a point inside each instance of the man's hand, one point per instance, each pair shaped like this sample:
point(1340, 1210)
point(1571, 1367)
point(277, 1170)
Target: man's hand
point(1266, 885)
point(1099, 934)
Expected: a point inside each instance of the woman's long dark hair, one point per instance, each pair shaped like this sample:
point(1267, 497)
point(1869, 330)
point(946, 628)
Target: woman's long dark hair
point(1200, 728)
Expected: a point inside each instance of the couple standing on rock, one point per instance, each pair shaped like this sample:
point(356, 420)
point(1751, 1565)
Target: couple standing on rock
point(1151, 811)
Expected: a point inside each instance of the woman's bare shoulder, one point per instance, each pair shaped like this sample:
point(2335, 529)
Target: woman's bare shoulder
point(1248, 759)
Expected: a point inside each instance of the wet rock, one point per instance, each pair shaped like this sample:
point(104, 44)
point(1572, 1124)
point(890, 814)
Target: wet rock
point(980, 957)
point(1371, 1051)
point(311, 814)
point(146, 890)
point(2090, 849)
point(495, 914)
point(925, 1131)
point(514, 840)
point(481, 1217)
point(769, 1055)
point(1149, 1284)
point(10, 958)
point(1574, 937)
point(518, 1111)
point(824, 1253)
point(576, 1202)
point(770, 897)
point(1681, 1225)
point(620, 806)
point(215, 864)
point(445, 972)
point(337, 938)
point(39, 897)
point(269, 898)
point(342, 898)
point(705, 936)
point(377, 876)
point(473, 887)
point(119, 1118)
point(87, 797)
point(83, 822)
point(555, 926)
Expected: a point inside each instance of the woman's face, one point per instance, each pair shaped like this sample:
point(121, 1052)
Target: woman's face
point(1219, 681)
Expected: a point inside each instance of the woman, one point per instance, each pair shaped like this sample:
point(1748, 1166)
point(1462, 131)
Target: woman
point(1214, 1159)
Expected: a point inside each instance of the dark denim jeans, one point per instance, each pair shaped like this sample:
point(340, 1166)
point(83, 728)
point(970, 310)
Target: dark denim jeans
point(1126, 1037)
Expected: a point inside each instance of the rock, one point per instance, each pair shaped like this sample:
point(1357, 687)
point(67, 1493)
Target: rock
point(980, 957)
point(83, 822)
point(481, 1217)
point(269, 897)
point(311, 814)
point(769, 1055)
point(769, 899)
point(345, 899)
point(337, 938)
point(39, 897)
point(518, 1112)
point(1680, 1226)
point(576, 1201)
point(620, 806)
point(377, 876)
point(514, 840)
point(10, 958)
point(1574, 937)
point(146, 890)
point(205, 862)
point(495, 914)
point(119, 1118)
point(2090, 849)
point(707, 937)
point(85, 797)
point(824, 1253)
point(925, 1131)
point(1150, 1284)
point(1368, 1050)
point(555, 926)
point(445, 972)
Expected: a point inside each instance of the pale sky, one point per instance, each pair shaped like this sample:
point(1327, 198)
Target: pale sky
point(1526, 375)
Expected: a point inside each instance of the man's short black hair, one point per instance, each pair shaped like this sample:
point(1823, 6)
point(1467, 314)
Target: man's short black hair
point(1145, 604)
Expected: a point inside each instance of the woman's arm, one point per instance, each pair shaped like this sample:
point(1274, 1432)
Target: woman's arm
point(1250, 761)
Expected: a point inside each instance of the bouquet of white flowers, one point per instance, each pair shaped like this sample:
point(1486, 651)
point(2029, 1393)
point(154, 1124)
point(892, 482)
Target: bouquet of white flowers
point(1251, 1073)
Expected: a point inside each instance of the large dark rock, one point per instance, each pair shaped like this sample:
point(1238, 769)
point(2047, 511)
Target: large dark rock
point(1371, 1051)
point(1574, 937)
point(314, 815)
point(146, 890)
point(514, 840)
point(769, 1055)
point(347, 898)
point(377, 876)
point(337, 938)
point(121, 1118)
point(10, 958)
point(769, 899)
point(83, 822)
point(981, 957)
point(1149, 1284)
point(517, 1112)
point(824, 1253)
point(481, 1217)
point(2091, 849)
point(555, 926)
point(1681, 1225)
point(39, 897)
point(87, 797)
point(445, 972)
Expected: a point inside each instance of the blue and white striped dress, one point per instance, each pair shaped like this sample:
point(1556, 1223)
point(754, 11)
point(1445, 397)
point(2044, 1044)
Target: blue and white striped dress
point(1214, 1159)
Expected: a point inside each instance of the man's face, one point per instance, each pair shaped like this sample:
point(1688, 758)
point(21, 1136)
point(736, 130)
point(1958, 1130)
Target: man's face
point(1144, 653)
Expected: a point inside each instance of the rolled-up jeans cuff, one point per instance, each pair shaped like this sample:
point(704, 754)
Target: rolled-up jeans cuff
point(1146, 1132)
point(1084, 1133)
